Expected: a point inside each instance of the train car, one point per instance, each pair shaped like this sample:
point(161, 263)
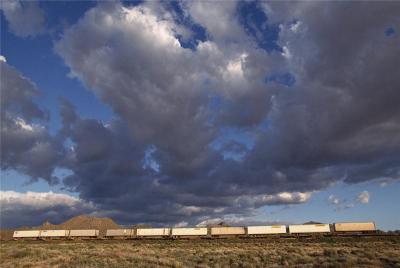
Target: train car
point(189, 232)
point(309, 228)
point(153, 232)
point(227, 231)
point(266, 230)
point(54, 234)
point(119, 233)
point(31, 234)
point(360, 227)
point(90, 233)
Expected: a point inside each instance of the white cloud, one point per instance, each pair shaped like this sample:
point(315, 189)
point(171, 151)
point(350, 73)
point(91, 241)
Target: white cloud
point(286, 52)
point(219, 18)
point(295, 27)
point(386, 181)
point(2, 58)
point(287, 198)
point(363, 197)
point(21, 122)
point(11, 200)
point(340, 204)
point(189, 210)
point(333, 200)
point(25, 18)
point(283, 198)
point(181, 224)
point(383, 184)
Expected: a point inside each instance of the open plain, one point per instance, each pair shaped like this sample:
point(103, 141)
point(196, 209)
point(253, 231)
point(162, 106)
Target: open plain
point(255, 252)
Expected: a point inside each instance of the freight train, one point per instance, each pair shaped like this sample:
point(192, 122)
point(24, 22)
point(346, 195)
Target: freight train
point(206, 232)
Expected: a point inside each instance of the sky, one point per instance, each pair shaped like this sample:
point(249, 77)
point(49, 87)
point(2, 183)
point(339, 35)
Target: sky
point(189, 113)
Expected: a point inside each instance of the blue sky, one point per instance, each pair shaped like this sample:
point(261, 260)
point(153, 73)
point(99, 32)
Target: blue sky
point(239, 108)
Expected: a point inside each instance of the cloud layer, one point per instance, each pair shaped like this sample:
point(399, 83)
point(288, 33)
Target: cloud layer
point(227, 124)
point(34, 208)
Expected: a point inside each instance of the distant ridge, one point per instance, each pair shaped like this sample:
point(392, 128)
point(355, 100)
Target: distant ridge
point(221, 224)
point(312, 222)
point(81, 222)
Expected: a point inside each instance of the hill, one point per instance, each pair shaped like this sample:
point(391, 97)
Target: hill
point(82, 222)
point(75, 223)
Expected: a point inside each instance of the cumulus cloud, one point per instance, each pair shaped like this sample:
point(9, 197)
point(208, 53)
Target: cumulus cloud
point(25, 18)
point(363, 197)
point(316, 130)
point(33, 208)
point(26, 145)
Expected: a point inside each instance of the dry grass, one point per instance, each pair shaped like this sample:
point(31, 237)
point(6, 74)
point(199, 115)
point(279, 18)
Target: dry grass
point(322, 252)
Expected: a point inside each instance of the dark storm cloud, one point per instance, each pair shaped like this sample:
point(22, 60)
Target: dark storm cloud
point(109, 169)
point(343, 112)
point(157, 162)
point(26, 145)
point(338, 121)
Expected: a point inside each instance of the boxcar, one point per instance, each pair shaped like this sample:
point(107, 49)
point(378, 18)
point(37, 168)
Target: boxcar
point(262, 230)
point(228, 231)
point(309, 228)
point(27, 234)
point(355, 227)
point(54, 233)
point(119, 232)
point(144, 232)
point(201, 231)
point(83, 233)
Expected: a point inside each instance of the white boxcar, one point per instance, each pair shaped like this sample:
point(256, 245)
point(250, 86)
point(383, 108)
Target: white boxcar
point(189, 231)
point(83, 233)
point(309, 228)
point(119, 232)
point(355, 226)
point(26, 234)
point(54, 233)
point(228, 230)
point(153, 232)
point(259, 230)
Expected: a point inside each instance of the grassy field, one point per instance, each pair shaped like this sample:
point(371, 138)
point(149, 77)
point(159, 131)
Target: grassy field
point(321, 252)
